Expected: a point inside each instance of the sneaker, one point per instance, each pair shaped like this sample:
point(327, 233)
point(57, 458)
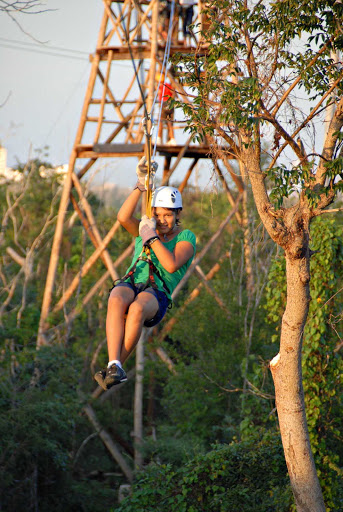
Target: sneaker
point(114, 375)
point(172, 142)
point(99, 377)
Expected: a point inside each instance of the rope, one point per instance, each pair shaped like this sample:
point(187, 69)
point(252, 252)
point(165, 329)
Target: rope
point(148, 198)
point(164, 65)
point(133, 60)
point(163, 68)
point(148, 118)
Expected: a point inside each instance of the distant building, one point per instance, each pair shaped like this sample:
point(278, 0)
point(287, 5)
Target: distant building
point(7, 174)
point(59, 170)
point(3, 159)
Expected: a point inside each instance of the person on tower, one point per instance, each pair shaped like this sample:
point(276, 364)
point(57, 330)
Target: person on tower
point(186, 14)
point(144, 293)
point(165, 93)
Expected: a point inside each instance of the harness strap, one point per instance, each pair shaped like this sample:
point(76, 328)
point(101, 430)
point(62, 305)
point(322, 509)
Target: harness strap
point(151, 278)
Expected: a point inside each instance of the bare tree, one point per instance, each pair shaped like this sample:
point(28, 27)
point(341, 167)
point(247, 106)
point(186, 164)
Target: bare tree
point(25, 7)
point(13, 8)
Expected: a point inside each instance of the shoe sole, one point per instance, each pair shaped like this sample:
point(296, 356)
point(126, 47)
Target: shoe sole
point(115, 383)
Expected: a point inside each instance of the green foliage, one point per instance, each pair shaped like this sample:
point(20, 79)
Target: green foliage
point(49, 453)
point(38, 429)
point(289, 180)
point(255, 55)
point(322, 362)
point(251, 477)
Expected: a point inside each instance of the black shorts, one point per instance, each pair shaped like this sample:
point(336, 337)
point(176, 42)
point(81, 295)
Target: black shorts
point(162, 299)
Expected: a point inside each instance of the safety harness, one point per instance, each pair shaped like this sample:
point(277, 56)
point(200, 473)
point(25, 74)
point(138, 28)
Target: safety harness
point(145, 255)
point(150, 282)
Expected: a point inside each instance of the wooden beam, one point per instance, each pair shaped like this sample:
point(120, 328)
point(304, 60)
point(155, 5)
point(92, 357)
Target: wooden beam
point(167, 327)
point(94, 157)
point(207, 247)
point(142, 21)
point(180, 155)
point(226, 187)
point(117, 22)
point(89, 263)
point(92, 228)
point(103, 97)
point(112, 100)
point(210, 290)
point(108, 442)
point(54, 255)
point(188, 175)
point(78, 309)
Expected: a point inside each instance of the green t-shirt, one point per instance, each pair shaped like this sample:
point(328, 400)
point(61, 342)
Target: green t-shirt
point(142, 269)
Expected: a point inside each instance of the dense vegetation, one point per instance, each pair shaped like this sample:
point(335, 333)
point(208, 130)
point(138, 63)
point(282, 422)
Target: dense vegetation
point(210, 426)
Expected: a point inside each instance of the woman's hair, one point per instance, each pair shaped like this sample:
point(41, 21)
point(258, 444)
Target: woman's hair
point(177, 211)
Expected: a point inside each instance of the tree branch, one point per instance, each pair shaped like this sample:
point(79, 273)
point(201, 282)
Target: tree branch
point(330, 140)
point(295, 83)
point(306, 121)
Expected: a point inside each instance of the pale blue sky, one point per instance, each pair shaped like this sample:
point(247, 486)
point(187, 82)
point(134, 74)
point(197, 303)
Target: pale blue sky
point(46, 87)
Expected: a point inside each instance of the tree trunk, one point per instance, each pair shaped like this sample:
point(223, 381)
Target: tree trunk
point(287, 376)
point(291, 231)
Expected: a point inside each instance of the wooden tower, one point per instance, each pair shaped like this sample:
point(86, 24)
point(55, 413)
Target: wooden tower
point(115, 104)
point(131, 32)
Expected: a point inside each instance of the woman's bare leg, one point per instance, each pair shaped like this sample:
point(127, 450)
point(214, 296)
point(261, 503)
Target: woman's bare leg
point(119, 300)
point(143, 308)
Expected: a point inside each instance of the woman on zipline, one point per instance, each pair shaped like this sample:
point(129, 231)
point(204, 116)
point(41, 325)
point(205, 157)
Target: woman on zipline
point(144, 293)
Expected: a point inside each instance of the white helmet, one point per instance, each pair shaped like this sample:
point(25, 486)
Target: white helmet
point(166, 197)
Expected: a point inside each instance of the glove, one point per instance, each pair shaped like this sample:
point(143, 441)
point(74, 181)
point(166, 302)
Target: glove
point(142, 174)
point(147, 229)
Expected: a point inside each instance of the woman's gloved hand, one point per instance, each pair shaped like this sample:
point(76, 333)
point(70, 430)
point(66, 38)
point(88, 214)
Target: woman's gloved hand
point(147, 229)
point(142, 174)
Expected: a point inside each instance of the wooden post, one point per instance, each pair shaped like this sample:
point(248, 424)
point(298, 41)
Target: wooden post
point(55, 250)
point(188, 175)
point(99, 283)
point(226, 188)
point(108, 442)
point(89, 263)
point(204, 251)
point(93, 227)
point(152, 71)
point(138, 402)
point(103, 97)
point(178, 159)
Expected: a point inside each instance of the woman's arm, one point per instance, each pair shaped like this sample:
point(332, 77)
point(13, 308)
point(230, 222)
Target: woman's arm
point(125, 215)
point(172, 261)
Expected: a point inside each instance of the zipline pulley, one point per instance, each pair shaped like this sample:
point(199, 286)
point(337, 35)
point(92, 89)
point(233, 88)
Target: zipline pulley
point(148, 130)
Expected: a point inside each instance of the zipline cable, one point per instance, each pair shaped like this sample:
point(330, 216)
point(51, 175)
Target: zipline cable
point(150, 154)
point(122, 19)
point(163, 69)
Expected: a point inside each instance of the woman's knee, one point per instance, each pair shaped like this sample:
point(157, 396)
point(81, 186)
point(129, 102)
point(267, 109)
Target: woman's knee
point(136, 309)
point(144, 307)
